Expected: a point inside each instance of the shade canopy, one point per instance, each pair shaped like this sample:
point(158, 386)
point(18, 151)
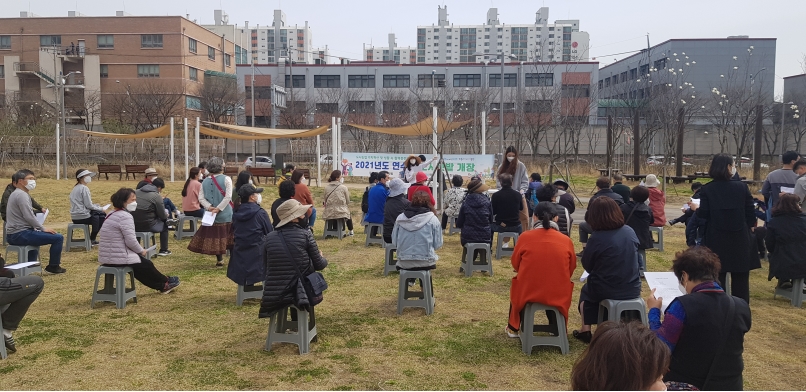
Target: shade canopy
point(162, 131)
point(266, 133)
point(421, 128)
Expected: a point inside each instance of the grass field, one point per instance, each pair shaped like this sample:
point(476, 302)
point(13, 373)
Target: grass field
point(196, 338)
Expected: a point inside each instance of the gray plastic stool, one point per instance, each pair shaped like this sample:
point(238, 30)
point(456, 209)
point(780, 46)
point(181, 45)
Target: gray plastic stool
point(301, 334)
point(118, 294)
point(22, 252)
point(469, 255)
point(3, 353)
point(499, 245)
point(335, 228)
point(452, 226)
point(180, 226)
point(795, 294)
point(659, 243)
point(374, 234)
point(242, 294)
point(615, 308)
point(148, 240)
point(72, 242)
point(559, 334)
point(389, 259)
point(425, 298)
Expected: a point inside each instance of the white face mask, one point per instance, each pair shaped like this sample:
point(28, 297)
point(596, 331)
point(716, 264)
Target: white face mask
point(341, 180)
point(250, 182)
point(510, 159)
point(154, 178)
point(31, 185)
point(259, 198)
point(87, 179)
point(301, 180)
point(200, 176)
point(733, 172)
point(412, 161)
point(131, 206)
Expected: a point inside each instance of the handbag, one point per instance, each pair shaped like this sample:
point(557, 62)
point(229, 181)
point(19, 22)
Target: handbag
point(212, 178)
point(725, 333)
point(311, 286)
point(324, 202)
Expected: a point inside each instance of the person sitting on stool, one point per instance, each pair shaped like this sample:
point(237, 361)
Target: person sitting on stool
point(19, 293)
point(82, 210)
point(150, 215)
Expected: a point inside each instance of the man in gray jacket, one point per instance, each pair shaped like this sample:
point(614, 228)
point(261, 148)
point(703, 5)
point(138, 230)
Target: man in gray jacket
point(800, 184)
point(783, 177)
point(150, 214)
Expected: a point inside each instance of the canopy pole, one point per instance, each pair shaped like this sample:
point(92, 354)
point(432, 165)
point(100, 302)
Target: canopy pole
point(333, 142)
point(318, 162)
point(434, 150)
point(187, 169)
point(198, 159)
point(483, 132)
point(172, 149)
point(338, 144)
point(57, 153)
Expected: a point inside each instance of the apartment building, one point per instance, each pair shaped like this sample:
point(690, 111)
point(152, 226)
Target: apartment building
point(392, 52)
point(445, 43)
point(102, 58)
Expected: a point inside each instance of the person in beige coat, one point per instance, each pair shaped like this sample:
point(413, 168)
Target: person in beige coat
point(336, 200)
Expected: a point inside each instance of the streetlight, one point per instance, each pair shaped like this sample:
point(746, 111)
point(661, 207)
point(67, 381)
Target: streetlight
point(783, 140)
point(753, 79)
point(60, 85)
point(501, 57)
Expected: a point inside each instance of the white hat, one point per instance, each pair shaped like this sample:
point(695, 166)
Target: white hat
point(397, 187)
point(85, 173)
point(652, 181)
point(290, 210)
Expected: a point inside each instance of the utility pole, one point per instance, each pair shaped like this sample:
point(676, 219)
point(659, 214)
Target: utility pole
point(254, 147)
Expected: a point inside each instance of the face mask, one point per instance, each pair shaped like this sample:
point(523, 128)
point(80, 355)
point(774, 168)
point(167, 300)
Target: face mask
point(206, 172)
point(259, 198)
point(200, 176)
point(131, 206)
point(31, 185)
point(412, 161)
point(250, 182)
point(154, 178)
point(733, 172)
point(341, 180)
point(87, 179)
point(510, 159)
point(301, 180)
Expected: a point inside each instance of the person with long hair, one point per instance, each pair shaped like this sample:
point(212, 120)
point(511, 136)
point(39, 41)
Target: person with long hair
point(244, 177)
point(336, 200)
point(82, 210)
point(414, 164)
point(216, 198)
point(417, 235)
point(786, 241)
point(639, 217)
point(621, 357)
point(520, 182)
point(611, 259)
point(727, 208)
point(544, 261)
point(303, 195)
point(190, 193)
point(705, 328)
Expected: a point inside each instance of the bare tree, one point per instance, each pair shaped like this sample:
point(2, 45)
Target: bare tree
point(219, 97)
point(146, 105)
point(86, 106)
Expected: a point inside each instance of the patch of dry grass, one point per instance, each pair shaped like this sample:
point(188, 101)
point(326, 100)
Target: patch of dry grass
point(196, 338)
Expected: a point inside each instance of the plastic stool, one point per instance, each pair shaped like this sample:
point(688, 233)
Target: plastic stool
point(180, 226)
point(615, 308)
point(72, 242)
point(659, 243)
point(557, 329)
point(301, 334)
point(469, 255)
point(425, 298)
point(452, 226)
point(389, 259)
point(148, 239)
point(499, 245)
point(795, 294)
point(3, 353)
point(22, 252)
point(119, 294)
point(374, 234)
point(255, 292)
point(335, 228)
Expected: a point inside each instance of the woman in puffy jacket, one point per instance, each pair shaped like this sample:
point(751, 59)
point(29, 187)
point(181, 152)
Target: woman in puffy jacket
point(417, 235)
point(785, 237)
point(476, 215)
point(119, 246)
point(336, 200)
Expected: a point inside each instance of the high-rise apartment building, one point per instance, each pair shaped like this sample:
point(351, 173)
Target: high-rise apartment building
point(394, 53)
point(445, 43)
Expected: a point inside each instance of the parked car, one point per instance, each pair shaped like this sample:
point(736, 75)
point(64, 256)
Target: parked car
point(660, 159)
point(261, 162)
point(747, 163)
point(326, 159)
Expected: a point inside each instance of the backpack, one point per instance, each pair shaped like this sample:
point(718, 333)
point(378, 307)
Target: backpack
point(365, 201)
point(531, 199)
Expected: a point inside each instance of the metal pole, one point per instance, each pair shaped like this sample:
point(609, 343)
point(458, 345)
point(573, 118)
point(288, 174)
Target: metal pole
point(172, 149)
point(198, 158)
point(636, 144)
point(783, 140)
point(501, 109)
point(254, 147)
point(273, 142)
point(757, 144)
point(609, 143)
point(187, 162)
point(434, 150)
point(64, 124)
point(57, 151)
point(338, 140)
point(318, 161)
point(678, 165)
point(333, 144)
point(483, 132)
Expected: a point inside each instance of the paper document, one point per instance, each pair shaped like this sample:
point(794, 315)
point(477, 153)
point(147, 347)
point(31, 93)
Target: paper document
point(696, 202)
point(666, 286)
point(26, 264)
point(151, 249)
point(685, 207)
point(40, 217)
point(208, 219)
point(106, 207)
point(584, 276)
point(786, 189)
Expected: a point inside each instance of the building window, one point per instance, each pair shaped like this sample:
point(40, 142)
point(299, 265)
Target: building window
point(539, 79)
point(542, 106)
point(467, 80)
point(193, 103)
point(227, 60)
point(299, 81)
point(575, 91)
point(211, 53)
point(361, 107)
point(194, 74)
point(361, 81)
point(5, 42)
point(326, 81)
point(192, 45)
point(106, 41)
point(151, 40)
point(148, 71)
point(395, 81)
point(2, 71)
point(634, 74)
point(601, 83)
point(424, 80)
point(510, 80)
point(104, 70)
point(50, 40)
point(327, 108)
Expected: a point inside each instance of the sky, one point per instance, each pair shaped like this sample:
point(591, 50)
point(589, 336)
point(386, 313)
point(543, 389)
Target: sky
point(614, 26)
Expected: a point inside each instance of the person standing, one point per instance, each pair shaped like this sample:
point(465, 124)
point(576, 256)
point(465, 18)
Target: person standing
point(216, 198)
point(657, 201)
point(620, 188)
point(520, 182)
point(250, 224)
point(414, 165)
point(336, 200)
point(396, 203)
point(82, 210)
point(190, 194)
point(454, 198)
point(783, 177)
point(727, 208)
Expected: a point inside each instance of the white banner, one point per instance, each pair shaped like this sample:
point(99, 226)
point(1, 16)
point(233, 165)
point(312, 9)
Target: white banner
point(362, 164)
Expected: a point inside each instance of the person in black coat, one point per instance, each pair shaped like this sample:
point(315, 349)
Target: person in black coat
point(290, 247)
point(611, 259)
point(786, 241)
point(567, 199)
point(603, 184)
point(476, 215)
point(287, 190)
point(250, 224)
point(396, 203)
point(727, 208)
point(620, 188)
point(507, 208)
point(549, 193)
point(638, 216)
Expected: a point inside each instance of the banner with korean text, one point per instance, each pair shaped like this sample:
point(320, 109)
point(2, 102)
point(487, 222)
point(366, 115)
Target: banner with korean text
point(362, 164)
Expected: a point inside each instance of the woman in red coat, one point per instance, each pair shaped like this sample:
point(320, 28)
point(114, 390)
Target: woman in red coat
point(657, 201)
point(420, 186)
point(544, 260)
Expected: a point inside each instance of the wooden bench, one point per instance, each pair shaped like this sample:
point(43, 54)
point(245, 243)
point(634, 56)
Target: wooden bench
point(106, 170)
point(266, 172)
point(134, 170)
point(634, 177)
point(603, 172)
point(679, 179)
point(307, 173)
point(231, 171)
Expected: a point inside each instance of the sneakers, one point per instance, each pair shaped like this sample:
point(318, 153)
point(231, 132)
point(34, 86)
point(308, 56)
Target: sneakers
point(172, 283)
point(580, 253)
point(164, 253)
point(55, 269)
point(351, 233)
point(671, 223)
point(510, 334)
point(505, 245)
point(95, 243)
point(11, 346)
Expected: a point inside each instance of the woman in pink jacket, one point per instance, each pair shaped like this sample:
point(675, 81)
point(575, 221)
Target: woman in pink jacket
point(657, 201)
